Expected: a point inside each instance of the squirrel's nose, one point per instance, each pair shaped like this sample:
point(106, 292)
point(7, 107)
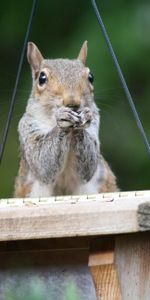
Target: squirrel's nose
point(72, 101)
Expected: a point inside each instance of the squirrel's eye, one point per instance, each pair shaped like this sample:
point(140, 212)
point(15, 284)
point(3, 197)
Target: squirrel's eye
point(42, 78)
point(90, 77)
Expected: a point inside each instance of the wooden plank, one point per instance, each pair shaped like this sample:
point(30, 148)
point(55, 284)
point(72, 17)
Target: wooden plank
point(133, 265)
point(99, 214)
point(46, 244)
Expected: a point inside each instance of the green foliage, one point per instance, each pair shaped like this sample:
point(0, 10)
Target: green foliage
point(59, 29)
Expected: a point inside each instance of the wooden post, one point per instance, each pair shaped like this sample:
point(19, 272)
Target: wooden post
point(132, 257)
point(101, 262)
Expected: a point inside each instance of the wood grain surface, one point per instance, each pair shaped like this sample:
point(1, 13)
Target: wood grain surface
point(106, 282)
point(132, 257)
point(70, 216)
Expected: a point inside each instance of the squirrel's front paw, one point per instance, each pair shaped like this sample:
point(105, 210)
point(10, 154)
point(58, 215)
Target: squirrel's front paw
point(85, 117)
point(66, 117)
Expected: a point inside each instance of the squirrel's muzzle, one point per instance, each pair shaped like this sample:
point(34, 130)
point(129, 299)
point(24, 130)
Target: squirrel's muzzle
point(72, 101)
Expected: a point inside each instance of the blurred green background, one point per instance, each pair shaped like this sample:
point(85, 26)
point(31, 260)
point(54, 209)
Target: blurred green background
point(59, 28)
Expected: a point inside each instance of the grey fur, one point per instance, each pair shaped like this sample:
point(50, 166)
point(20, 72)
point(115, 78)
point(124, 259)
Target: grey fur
point(86, 153)
point(44, 153)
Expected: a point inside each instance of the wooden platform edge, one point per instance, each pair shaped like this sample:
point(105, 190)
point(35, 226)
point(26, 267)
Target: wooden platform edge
point(70, 216)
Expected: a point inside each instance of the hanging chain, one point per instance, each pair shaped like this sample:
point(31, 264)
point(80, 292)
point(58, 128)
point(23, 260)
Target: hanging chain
point(121, 76)
point(13, 98)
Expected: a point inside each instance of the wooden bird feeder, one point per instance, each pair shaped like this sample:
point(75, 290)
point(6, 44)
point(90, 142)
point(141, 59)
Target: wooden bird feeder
point(101, 242)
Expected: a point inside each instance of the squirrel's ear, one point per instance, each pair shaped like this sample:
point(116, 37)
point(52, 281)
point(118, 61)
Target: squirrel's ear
point(83, 52)
point(34, 57)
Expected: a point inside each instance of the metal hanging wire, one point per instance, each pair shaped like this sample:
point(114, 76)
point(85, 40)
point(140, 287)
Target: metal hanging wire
point(121, 76)
point(13, 98)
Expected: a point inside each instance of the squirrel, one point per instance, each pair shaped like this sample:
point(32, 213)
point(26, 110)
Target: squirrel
point(59, 132)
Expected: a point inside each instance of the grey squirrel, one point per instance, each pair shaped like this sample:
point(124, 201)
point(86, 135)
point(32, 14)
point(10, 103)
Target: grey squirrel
point(59, 132)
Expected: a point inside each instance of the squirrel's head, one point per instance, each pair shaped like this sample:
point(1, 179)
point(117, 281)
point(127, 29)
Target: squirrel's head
point(61, 82)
